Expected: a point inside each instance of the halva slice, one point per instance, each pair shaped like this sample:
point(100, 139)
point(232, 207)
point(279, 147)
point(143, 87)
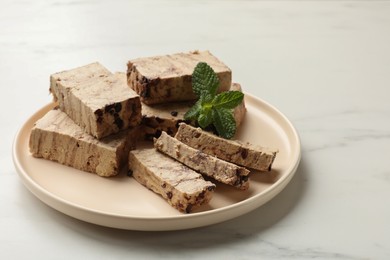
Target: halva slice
point(97, 100)
point(166, 117)
point(57, 138)
point(245, 154)
point(168, 78)
point(208, 165)
point(181, 187)
point(163, 117)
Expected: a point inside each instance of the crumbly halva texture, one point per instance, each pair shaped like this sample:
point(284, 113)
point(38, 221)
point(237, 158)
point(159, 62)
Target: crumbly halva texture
point(181, 187)
point(97, 100)
point(57, 138)
point(166, 117)
point(208, 165)
point(168, 78)
point(245, 154)
point(163, 118)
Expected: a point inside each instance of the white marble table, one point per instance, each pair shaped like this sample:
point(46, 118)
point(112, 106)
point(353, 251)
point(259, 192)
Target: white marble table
point(325, 64)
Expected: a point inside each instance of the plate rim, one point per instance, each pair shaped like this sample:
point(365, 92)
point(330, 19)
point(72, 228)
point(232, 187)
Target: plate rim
point(249, 204)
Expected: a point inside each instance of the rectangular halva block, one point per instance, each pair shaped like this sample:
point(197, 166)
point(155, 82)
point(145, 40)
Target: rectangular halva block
point(168, 78)
point(181, 187)
point(56, 137)
point(208, 165)
point(255, 157)
point(97, 100)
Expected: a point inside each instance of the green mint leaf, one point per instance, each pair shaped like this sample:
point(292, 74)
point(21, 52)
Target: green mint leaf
point(194, 111)
point(204, 80)
point(206, 98)
point(224, 122)
point(205, 118)
point(213, 109)
point(229, 99)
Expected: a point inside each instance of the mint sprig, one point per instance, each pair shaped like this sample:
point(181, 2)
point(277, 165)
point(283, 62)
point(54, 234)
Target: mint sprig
point(212, 108)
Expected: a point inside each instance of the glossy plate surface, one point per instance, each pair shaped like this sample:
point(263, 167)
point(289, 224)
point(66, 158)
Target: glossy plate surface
point(121, 202)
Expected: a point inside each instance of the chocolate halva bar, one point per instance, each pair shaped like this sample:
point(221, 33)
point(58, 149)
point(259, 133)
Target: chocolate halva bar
point(163, 117)
point(168, 78)
point(181, 187)
point(244, 154)
point(57, 138)
point(208, 165)
point(97, 100)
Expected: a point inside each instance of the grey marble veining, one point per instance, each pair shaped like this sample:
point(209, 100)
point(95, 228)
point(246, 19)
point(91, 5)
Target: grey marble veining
point(324, 64)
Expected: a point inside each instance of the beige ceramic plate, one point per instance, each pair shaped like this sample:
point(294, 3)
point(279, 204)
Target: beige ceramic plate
point(121, 202)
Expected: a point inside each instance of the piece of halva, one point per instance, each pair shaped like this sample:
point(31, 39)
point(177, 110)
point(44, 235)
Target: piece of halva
point(181, 187)
point(168, 78)
point(244, 154)
point(57, 138)
point(163, 118)
point(97, 100)
point(208, 165)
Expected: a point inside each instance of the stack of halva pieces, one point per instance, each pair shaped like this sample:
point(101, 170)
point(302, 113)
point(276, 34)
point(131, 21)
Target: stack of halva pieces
point(100, 117)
